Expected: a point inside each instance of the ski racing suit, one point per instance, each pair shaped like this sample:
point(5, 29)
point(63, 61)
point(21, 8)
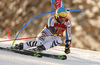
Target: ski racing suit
point(47, 38)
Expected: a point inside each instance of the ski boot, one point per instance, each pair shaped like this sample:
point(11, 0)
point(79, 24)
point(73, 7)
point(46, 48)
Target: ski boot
point(39, 49)
point(18, 46)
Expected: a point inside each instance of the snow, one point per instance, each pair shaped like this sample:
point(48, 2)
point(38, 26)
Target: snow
point(76, 57)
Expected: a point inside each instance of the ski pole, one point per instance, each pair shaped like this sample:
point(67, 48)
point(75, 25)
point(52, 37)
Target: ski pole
point(27, 38)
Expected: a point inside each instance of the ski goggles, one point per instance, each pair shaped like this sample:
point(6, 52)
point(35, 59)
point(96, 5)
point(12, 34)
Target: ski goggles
point(60, 17)
point(62, 14)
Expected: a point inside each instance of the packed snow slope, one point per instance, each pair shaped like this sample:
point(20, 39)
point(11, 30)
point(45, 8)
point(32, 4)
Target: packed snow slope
point(76, 57)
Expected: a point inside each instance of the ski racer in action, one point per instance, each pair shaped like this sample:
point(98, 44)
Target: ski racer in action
point(52, 33)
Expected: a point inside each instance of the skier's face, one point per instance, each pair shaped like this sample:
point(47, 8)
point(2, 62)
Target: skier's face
point(62, 19)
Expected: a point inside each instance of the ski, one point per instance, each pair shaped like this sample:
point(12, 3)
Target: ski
point(21, 52)
point(31, 53)
point(61, 57)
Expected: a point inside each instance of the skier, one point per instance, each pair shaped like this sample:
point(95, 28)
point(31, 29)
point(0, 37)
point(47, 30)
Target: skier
point(52, 33)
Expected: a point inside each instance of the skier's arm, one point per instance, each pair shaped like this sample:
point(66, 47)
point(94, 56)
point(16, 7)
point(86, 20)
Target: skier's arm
point(51, 25)
point(68, 38)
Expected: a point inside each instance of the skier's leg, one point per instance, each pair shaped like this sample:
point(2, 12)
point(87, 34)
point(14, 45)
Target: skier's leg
point(32, 44)
point(52, 43)
point(39, 41)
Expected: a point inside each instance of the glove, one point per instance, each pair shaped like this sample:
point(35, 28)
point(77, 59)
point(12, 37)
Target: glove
point(67, 49)
point(52, 29)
